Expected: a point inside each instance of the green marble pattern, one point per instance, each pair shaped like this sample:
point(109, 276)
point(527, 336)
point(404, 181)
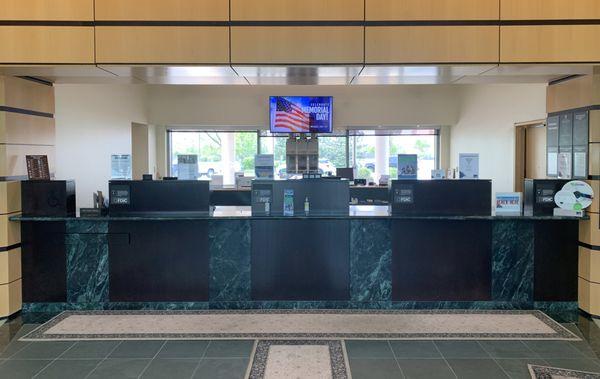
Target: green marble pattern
point(512, 261)
point(229, 248)
point(370, 271)
point(370, 261)
point(87, 268)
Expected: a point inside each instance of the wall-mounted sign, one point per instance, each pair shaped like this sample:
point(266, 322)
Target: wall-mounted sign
point(552, 146)
point(564, 164)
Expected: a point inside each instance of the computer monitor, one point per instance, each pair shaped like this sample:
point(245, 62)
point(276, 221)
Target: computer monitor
point(345, 172)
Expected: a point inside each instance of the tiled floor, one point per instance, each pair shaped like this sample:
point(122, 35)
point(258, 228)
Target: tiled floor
point(229, 359)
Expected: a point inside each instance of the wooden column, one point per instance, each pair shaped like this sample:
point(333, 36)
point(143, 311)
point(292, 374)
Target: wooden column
point(26, 127)
point(584, 92)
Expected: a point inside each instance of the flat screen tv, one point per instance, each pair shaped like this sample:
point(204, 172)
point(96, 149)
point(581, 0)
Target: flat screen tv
point(301, 114)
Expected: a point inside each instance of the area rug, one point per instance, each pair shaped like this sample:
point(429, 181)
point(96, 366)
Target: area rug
point(543, 372)
point(301, 324)
point(275, 359)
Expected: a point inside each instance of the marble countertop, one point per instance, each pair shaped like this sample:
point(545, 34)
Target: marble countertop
point(244, 212)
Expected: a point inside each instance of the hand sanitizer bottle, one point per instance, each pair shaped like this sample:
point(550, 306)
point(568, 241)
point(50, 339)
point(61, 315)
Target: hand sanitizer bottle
point(306, 206)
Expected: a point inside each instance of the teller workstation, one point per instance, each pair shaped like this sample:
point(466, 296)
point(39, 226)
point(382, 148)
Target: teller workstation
point(299, 244)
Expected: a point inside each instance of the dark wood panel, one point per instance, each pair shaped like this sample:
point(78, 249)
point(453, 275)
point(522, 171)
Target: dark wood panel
point(44, 262)
point(441, 260)
point(300, 260)
point(555, 261)
point(160, 261)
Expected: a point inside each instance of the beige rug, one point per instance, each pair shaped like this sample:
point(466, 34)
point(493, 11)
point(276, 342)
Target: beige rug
point(543, 372)
point(295, 359)
point(301, 324)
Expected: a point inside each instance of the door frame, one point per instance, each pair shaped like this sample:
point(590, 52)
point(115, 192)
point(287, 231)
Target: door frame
point(520, 150)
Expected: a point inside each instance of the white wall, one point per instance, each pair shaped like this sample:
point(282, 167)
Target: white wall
point(93, 122)
point(487, 116)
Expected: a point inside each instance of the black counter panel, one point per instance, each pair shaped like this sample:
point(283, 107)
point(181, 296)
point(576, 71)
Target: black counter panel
point(158, 261)
point(156, 197)
point(230, 197)
point(555, 261)
point(441, 260)
point(300, 259)
point(464, 197)
point(44, 262)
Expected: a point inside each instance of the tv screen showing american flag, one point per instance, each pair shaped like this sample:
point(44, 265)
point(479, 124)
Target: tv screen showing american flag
point(301, 114)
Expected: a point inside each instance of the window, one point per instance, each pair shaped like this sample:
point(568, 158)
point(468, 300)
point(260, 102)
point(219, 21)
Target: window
point(372, 152)
point(219, 153)
point(275, 144)
point(332, 153)
point(375, 152)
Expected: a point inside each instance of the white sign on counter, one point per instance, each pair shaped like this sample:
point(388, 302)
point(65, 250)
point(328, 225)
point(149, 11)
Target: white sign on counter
point(468, 165)
point(120, 166)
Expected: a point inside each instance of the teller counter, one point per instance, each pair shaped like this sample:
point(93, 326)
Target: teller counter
point(366, 258)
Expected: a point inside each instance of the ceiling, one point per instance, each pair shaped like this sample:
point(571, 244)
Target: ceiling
point(303, 75)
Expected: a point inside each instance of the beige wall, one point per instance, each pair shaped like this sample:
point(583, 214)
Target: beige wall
point(93, 122)
point(487, 116)
point(354, 106)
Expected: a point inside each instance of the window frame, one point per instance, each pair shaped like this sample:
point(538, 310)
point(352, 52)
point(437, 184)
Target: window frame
point(350, 152)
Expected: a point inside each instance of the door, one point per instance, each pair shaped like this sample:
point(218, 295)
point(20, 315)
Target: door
point(530, 152)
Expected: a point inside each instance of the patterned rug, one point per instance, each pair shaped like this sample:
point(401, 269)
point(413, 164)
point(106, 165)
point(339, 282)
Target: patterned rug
point(275, 359)
point(543, 372)
point(302, 324)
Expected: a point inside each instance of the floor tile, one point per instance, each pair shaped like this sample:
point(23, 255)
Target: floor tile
point(461, 349)
point(43, 350)
point(120, 368)
point(415, 349)
point(16, 369)
point(183, 349)
point(90, 350)
point(12, 348)
point(425, 368)
point(573, 328)
point(476, 368)
point(171, 368)
point(517, 368)
point(368, 349)
point(554, 349)
point(229, 349)
point(507, 349)
point(137, 349)
point(591, 365)
point(369, 368)
point(72, 368)
point(26, 328)
point(585, 349)
point(219, 368)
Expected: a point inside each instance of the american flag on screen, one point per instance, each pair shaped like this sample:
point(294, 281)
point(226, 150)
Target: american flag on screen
point(289, 116)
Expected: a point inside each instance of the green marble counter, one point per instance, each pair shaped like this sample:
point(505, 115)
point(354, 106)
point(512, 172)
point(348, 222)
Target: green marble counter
point(244, 213)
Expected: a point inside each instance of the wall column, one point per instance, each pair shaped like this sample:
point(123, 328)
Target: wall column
point(26, 128)
point(382, 152)
point(584, 92)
